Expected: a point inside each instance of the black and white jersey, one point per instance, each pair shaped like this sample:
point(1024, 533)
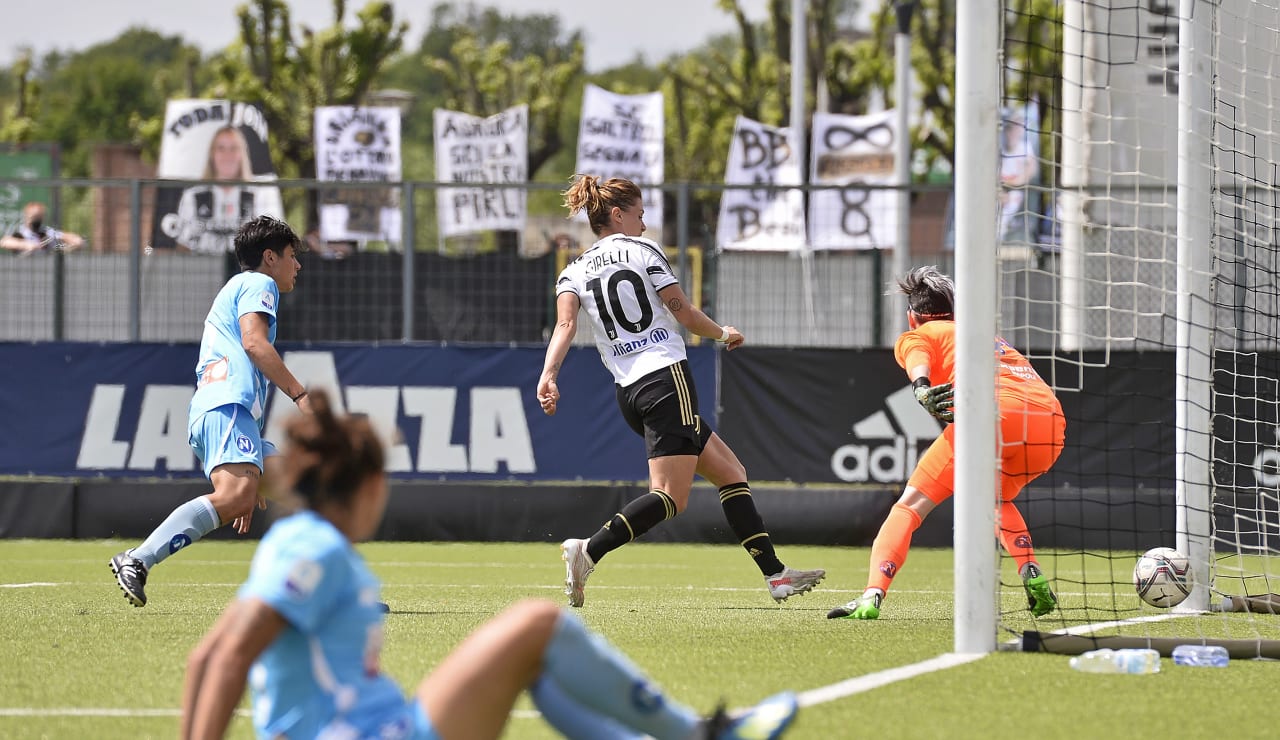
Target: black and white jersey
point(617, 281)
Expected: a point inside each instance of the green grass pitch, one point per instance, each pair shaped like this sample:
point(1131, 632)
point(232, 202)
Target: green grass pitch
point(76, 661)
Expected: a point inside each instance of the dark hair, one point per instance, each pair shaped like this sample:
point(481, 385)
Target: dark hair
point(326, 458)
point(261, 233)
point(587, 194)
point(930, 294)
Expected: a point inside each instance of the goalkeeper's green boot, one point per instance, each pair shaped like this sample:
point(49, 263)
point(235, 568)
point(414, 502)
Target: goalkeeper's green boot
point(866, 606)
point(1040, 598)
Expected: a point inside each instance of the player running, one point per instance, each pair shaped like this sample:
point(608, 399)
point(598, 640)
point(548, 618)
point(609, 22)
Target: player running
point(237, 361)
point(1032, 429)
point(636, 308)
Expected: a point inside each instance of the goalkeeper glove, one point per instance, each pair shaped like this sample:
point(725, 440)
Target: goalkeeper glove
point(938, 400)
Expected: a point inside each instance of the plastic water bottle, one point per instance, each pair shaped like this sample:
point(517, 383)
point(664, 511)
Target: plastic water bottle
point(1124, 660)
point(1213, 656)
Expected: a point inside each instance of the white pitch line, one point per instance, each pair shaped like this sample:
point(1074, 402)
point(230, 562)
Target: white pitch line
point(808, 698)
point(1090, 627)
point(884, 678)
point(28, 585)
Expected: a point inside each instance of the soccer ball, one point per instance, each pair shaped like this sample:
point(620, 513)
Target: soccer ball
point(1163, 577)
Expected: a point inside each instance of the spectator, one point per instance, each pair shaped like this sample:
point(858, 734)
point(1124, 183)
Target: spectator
point(208, 215)
point(33, 234)
point(1018, 171)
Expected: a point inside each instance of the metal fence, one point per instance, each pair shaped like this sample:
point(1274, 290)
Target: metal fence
point(124, 286)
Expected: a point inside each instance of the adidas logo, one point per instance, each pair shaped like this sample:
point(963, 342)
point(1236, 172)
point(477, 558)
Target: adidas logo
point(898, 434)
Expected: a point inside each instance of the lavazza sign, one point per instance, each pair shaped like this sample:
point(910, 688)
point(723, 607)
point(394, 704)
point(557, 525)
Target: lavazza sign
point(497, 430)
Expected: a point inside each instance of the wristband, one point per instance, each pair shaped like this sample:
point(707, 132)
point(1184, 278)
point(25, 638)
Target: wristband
point(921, 382)
point(299, 396)
point(724, 334)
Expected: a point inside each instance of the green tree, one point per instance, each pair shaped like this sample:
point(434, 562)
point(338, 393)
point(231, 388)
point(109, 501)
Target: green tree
point(749, 74)
point(486, 61)
point(18, 121)
point(290, 76)
point(1032, 54)
point(76, 100)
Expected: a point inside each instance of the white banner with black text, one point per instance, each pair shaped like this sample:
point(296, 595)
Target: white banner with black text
point(622, 136)
point(764, 218)
point(853, 151)
point(480, 151)
point(358, 145)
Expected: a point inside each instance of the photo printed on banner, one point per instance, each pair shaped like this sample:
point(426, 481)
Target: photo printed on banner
point(224, 142)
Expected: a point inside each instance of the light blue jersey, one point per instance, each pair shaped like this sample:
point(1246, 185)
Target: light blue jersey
point(224, 372)
point(321, 677)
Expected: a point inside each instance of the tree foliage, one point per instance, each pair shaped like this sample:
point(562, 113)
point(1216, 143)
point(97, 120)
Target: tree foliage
point(290, 76)
point(749, 74)
point(486, 62)
point(81, 99)
point(17, 122)
point(481, 60)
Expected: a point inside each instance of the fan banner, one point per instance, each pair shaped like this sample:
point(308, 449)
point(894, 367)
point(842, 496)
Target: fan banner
point(853, 151)
point(358, 145)
point(219, 140)
point(764, 218)
point(465, 413)
point(623, 136)
point(470, 149)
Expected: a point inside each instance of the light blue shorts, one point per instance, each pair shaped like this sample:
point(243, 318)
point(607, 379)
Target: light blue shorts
point(228, 434)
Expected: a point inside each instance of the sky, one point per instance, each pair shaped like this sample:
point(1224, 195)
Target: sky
point(615, 30)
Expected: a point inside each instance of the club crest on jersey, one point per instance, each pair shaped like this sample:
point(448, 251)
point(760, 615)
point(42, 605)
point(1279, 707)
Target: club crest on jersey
point(268, 300)
point(244, 444)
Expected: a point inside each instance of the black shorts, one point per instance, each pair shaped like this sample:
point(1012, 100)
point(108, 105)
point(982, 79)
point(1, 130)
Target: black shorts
point(662, 407)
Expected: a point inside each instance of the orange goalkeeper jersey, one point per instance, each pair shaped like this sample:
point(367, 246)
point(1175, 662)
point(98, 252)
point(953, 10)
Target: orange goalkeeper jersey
point(934, 344)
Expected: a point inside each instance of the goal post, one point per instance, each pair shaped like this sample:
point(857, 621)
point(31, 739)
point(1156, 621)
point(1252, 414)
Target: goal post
point(977, 103)
point(1194, 338)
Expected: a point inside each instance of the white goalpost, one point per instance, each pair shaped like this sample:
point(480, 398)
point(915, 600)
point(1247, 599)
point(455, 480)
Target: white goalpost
point(977, 106)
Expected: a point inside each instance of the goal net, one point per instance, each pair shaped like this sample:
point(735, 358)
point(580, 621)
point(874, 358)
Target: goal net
point(1140, 269)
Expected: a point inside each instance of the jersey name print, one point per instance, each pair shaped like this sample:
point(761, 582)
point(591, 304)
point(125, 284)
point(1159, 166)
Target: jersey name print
point(617, 282)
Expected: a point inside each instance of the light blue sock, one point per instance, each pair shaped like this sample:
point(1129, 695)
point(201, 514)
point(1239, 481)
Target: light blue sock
point(187, 524)
point(573, 720)
point(594, 674)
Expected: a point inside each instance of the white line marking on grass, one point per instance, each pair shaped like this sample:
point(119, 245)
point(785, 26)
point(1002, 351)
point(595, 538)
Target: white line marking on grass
point(884, 678)
point(1090, 627)
point(36, 584)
